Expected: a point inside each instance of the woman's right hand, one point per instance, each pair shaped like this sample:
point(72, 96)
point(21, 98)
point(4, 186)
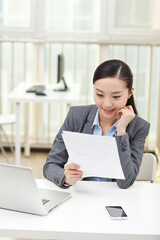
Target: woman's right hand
point(72, 174)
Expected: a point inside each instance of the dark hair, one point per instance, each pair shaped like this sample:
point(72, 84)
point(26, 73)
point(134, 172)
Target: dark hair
point(116, 68)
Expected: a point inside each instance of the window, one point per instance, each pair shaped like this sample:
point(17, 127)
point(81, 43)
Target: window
point(138, 14)
point(134, 18)
point(15, 13)
point(81, 18)
point(72, 15)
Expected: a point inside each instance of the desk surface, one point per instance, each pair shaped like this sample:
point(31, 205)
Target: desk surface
point(83, 216)
point(19, 94)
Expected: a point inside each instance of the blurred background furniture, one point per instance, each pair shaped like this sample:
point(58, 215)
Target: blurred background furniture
point(147, 170)
point(19, 95)
point(6, 120)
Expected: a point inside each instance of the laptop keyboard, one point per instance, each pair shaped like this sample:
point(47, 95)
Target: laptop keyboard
point(44, 201)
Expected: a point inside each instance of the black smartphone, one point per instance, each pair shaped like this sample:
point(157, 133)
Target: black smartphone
point(116, 212)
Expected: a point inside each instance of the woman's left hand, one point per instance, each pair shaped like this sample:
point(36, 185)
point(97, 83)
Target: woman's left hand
point(124, 116)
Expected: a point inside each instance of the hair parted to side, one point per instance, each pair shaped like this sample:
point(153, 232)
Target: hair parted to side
point(116, 69)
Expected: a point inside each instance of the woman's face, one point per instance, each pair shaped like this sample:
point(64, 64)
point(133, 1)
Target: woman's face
point(110, 95)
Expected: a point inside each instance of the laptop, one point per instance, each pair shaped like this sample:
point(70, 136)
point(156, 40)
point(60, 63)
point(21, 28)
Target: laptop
point(19, 191)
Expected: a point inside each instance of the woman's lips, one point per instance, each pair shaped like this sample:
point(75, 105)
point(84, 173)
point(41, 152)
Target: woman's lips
point(108, 111)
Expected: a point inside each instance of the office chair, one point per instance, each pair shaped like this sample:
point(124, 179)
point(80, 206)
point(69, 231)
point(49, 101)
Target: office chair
point(147, 169)
point(5, 120)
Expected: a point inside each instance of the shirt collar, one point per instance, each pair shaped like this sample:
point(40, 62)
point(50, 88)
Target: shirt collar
point(96, 121)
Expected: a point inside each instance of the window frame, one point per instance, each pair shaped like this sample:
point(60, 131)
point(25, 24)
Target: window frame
point(128, 33)
point(107, 30)
point(19, 31)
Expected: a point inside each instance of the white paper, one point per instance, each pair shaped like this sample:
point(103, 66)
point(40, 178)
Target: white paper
point(97, 155)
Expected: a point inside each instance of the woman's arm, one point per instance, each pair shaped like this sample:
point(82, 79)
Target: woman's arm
point(131, 148)
point(53, 169)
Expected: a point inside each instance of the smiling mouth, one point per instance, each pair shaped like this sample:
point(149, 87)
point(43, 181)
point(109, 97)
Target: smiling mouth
point(108, 111)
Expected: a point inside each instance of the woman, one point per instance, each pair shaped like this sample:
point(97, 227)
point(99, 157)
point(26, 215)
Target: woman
point(114, 114)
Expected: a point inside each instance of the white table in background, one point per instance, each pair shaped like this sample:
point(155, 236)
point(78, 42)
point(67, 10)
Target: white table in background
point(83, 216)
point(19, 95)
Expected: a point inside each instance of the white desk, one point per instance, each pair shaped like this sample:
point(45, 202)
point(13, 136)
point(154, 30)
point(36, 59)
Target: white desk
point(83, 216)
point(19, 95)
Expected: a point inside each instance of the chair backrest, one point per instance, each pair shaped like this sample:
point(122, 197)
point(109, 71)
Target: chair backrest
point(147, 169)
point(7, 119)
point(4, 120)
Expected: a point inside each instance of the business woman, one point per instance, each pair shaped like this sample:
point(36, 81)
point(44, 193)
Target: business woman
point(114, 114)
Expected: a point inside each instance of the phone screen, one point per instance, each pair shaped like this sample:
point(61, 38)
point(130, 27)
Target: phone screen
point(116, 212)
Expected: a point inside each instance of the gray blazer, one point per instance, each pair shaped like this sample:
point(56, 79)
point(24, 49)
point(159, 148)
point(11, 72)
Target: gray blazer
point(80, 119)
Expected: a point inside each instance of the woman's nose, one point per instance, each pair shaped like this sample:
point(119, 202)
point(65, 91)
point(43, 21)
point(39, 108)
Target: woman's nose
point(107, 103)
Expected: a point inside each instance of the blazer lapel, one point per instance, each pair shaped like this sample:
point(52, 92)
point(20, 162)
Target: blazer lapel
point(88, 128)
point(88, 125)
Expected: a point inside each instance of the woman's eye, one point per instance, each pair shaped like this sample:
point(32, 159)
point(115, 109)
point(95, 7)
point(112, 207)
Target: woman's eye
point(116, 97)
point(99, 95)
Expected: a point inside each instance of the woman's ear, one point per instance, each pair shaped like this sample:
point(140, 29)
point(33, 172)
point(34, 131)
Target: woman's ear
point(130, 93)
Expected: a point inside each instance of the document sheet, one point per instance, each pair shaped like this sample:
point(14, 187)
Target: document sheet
point(97, 155)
